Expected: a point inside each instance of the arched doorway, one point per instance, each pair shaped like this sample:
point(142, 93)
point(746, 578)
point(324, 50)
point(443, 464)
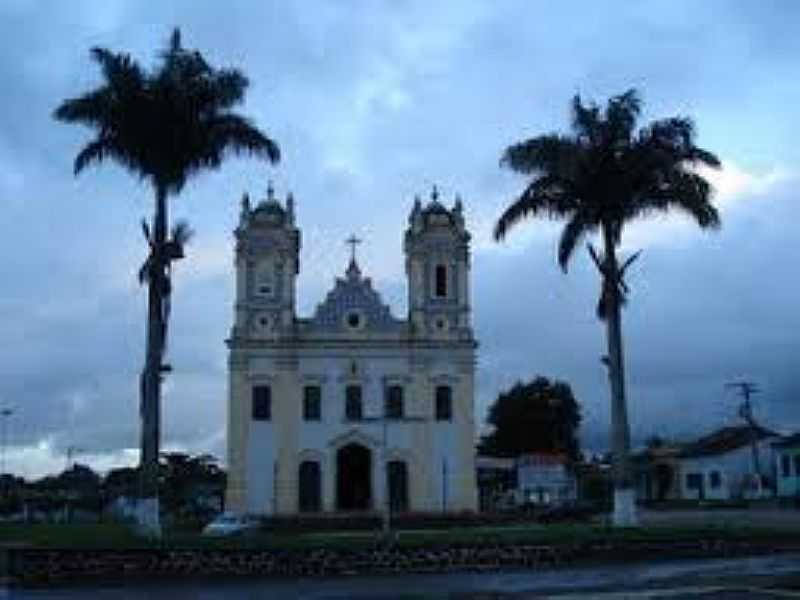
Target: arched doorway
point(310, 489)
point(397, 473)
point(353, 478)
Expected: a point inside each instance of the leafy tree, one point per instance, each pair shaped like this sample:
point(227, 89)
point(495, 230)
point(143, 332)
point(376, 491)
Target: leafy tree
point(539, 416)
point(599, 179)
point(122, 481)
point(183, 474)
point(165, 126)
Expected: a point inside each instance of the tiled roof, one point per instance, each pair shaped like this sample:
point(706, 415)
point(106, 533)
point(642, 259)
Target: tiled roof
point(725, 440)
point(788, 441)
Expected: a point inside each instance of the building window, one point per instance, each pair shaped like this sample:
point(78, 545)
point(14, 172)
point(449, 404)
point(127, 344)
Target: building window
point(262, 403)
point(444, 403)
point(312, 405)
point(786, 466)
point(353, 409)
point(694, 481)
point(715, 480)
point(393, 404)
point(797, 465)
point(441, 281)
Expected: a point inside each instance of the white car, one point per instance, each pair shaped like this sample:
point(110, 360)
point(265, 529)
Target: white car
point(230, 524)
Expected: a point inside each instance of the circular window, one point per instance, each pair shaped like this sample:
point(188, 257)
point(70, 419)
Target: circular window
point(354, 320)
point(263, 322)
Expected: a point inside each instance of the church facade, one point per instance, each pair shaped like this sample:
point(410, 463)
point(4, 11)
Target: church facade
point(351, 409)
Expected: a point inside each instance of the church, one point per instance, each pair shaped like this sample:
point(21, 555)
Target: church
point(351, 409)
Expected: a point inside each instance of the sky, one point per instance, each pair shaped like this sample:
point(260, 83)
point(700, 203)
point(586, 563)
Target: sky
point(373, 103)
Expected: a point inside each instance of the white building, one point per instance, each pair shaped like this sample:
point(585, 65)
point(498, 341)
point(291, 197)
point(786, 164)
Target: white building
point(787, 466)
point(333, 411)
point(720, 466)
point(545, 479)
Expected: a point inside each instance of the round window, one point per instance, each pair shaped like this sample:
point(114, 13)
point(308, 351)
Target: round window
point(354, 320)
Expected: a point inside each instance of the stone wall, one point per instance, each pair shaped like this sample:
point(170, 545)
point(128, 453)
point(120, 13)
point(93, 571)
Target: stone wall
point(32, 566)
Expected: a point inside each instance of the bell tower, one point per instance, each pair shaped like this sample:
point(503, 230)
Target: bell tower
point(437, 266)
point(267, 264)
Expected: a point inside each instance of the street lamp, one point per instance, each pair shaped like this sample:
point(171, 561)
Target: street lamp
point(5, 413)
point(386, 515)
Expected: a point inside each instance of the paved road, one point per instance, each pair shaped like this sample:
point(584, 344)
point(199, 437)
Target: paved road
point(706, 579)
point(755, 516)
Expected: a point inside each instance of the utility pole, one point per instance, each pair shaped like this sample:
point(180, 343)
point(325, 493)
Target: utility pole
point(746, 389)
point(5, 413)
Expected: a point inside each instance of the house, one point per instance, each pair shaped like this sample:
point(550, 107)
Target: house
point(495, 478)
point(721, 465)
point(658, 473)
point(545, 478)
point(351, 408)
point(787, 466)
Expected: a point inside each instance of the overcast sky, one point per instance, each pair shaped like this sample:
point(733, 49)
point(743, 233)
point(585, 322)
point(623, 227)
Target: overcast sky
point(372, 103)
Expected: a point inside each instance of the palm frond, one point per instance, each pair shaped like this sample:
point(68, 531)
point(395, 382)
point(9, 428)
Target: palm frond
point(545, 195)
point(118, 68)
point(553, 154)
point(574, 231)
point(679, 189)
point(182, 232)
point(585, 120)
point(146, 232)
point(227, 88)
point(144, 271)
point(90, 109)
point(230, 132)
point(621, 114)
point(94, 152)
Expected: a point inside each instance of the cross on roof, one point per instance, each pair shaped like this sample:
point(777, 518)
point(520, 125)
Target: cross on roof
point(353, 241)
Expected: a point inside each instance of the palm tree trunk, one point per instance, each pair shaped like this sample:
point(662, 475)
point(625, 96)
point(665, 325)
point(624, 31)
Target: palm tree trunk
point(149, 518)
point(624, 495)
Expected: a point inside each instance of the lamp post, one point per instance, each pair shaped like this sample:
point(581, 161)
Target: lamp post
point(4, 415)
point(386, 513)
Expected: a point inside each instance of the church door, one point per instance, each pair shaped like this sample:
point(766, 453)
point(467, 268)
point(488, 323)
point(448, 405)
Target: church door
point(353, 478)
point(310, 493)
point(398, 485)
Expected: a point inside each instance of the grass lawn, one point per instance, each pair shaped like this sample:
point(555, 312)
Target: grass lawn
point(114, 536)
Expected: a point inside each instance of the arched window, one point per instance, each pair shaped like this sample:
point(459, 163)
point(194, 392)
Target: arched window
point(310, 489)
point(262, 403)
point(444, 403)
point(312, 404)
point(440, 289)
point(397, 472)
point(265, 280)
point(393, 403)
point(353, 410)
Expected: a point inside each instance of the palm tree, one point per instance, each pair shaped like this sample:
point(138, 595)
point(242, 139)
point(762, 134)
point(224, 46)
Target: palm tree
point(163, 125)
point(603, 176)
